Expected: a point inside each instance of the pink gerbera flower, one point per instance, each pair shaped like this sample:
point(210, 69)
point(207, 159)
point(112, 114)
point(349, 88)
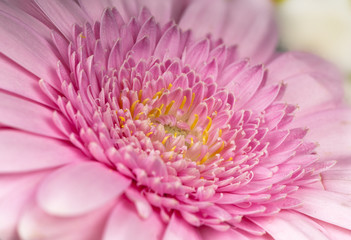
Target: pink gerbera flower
point(117, 123)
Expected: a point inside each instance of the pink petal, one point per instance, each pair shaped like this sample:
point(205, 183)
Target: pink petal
point(179, 229)
point(211, 234)
point(290, 226)
point(332, 131)
point(327, 206)
point(19, 113)
point(80, 188)
point(18, 193)
point(256, 36)
point(21, 152)
point(318, 83)
point(17, 80)
point(25, 47)
point(125, 223)
point(338, 178)
point(94, 8)
point(36, 224)
point(334, 231)
point(64, 14)
point(15, 11)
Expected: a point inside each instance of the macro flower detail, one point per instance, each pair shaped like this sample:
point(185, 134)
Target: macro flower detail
point(139, 129)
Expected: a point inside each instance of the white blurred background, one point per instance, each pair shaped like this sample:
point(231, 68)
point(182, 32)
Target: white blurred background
point(322, 27)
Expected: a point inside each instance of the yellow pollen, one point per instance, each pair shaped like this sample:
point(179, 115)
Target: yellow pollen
point(159, 110)
point(170, 86)
point(138, 115)
point(132, 108)
point(175, 134)
point(145, 101)
point(122, 118)
point(169, 106)
point(230, 159)
point(140, 94)
point(82, 36)
point(158, 94)
point(209, 124)
point(192, 99)
point(205, 137)
point(173, 148)
point(220, 132)
point(183, 103)
point(204, 159)
point(165, 140)
point(218, 150)
point(195, 122)
point(149, 133)
point(191, 142)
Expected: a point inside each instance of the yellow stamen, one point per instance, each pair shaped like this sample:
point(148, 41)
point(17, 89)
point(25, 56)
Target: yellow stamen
point(229, 159)
point(165, 139)
point(159, 110)
point(173, 148)
point(169, 106)
point(220, 132)
point(145, 101)
point(140, 94)
point(183, 103)
point(122, 118)
point(132, 108)
point(82, 36)
point(175, 134)
point(195, 122)
point(158, 94)
point(170, 86)
point(204, 159)
point(191, 142)
point(218, 150)
point(192, 99)
point(149, 133)
point(138, 115)
point(204, 137)
point(209, 124)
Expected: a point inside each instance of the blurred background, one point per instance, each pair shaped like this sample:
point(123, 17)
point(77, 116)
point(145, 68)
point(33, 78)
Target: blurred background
point(322, 27)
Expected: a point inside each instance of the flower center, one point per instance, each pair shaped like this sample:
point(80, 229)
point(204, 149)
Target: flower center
point(177, 122)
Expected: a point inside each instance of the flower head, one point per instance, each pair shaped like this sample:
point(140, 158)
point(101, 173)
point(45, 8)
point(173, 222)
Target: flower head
point(157, 132)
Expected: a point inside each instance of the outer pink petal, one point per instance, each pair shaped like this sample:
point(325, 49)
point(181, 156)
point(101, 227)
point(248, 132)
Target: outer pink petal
point(163, 10)
point(63, 14)
point(331, 129)
point(179, 229)
point(247, 23)
point(80, 188)
point(12, 9)
point(338, 178)
point(18, 81)
point(28, 7)
point(312, 83)
point(27, 48)
point(21, 152)
point(37, 225)
point(335, 232)
point(210, 234)
point(290, 226)
point(19, 113)
point(94, 8)
point(16, 191)
point(327, 206)
point(125, 223)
